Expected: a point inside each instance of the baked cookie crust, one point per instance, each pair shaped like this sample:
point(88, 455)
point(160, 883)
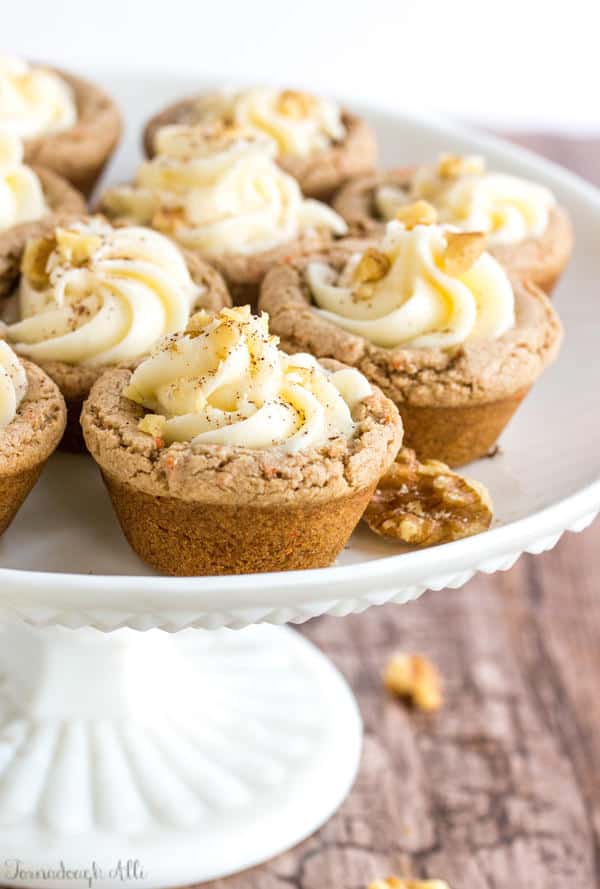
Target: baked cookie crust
point(220, 509)
point(244, 273)
point(27, 442)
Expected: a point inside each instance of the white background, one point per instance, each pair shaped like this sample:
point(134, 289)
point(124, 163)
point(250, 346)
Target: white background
point(527, 63)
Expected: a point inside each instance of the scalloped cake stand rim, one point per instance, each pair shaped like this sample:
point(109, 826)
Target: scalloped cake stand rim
point(428, 568)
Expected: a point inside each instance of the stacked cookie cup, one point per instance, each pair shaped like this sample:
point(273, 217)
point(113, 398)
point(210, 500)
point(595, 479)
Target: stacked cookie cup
point(245, 335)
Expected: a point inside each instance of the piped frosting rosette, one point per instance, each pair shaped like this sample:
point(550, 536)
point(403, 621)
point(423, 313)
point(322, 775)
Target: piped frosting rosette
point(298, 122)
point(507, 208)
point(34, 101)
point(425, 286)
point(225, 381)
point(92, 294)
point(218, 190)
point(21, 194)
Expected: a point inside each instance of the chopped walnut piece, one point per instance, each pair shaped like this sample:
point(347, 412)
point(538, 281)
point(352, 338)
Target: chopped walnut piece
point(168, 219)
point(399, 883)
point(34, 265)
point(77, 247)
point(197, 322)
point(413, 677)
point(419, 213)
point(427, 503)
point(463, 249)
point(225, 128)
point(372, 267)
point(452, 166)
point(294, 104)
point(152, 424)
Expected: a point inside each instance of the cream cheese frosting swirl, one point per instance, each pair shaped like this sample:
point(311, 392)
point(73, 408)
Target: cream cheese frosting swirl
point(219, 190)
point(94, 295)
point(225, 381)
point(428, 287)
point(33, 101)
point(21, 195)
point(300, 123)
point(507, 208)
point(13, 384)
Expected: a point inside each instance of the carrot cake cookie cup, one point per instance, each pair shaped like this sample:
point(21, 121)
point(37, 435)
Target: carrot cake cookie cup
point(224, 455)
point(318, 143)
point(91, 296)
point(528, 232)
point(68, 125)
point(433, 320)
point(217, 191)
point(32, 420)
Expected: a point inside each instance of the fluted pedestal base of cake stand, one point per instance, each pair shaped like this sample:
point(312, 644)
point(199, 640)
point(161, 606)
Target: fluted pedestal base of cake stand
point(165, 760)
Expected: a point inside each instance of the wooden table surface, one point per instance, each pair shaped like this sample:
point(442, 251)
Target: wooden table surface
point(501, 788)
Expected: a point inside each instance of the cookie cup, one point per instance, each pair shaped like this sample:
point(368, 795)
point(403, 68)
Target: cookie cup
point(218, 509)
point(319, 174)
point(80, 153)
point(28, 441)
point(64, 203)
point(454, 403)
point(75, 381)
point(541, 260)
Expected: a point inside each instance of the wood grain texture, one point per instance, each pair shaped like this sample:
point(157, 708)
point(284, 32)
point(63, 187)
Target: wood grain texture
point(501, 788)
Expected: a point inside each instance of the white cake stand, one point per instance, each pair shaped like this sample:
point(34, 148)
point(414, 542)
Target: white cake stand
point(166, 759)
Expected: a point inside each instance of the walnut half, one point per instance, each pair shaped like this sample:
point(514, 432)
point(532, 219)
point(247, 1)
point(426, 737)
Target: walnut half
point(427, 503)
point(413, 677)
